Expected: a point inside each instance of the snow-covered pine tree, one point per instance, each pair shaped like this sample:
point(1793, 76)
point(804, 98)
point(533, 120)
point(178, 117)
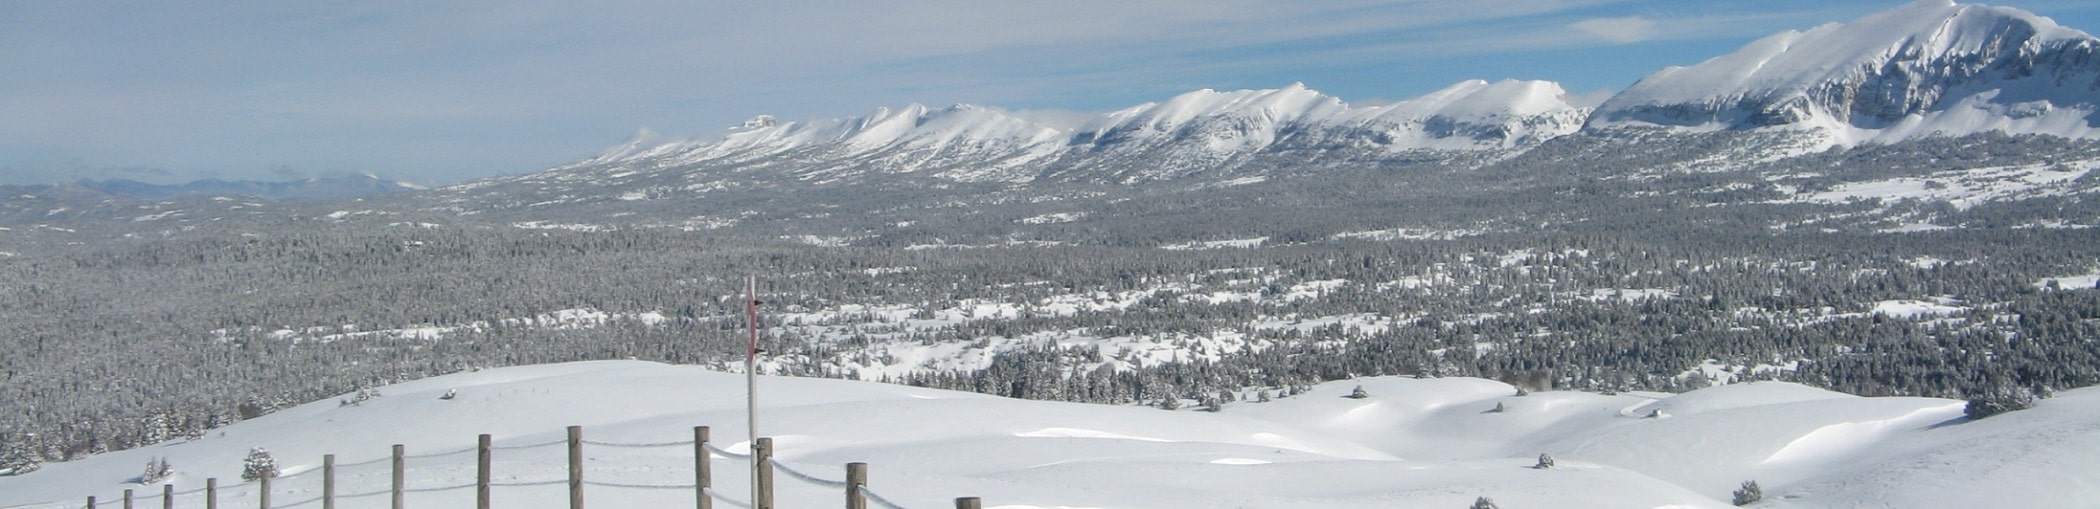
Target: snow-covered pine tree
point(1359, 393)
point(1998, 401)
point(1483, 503)
point(158, 428)
point(1749, 493)
point(157, 470)
point(1545, 461)
point(258, 465)
point(1170, 403)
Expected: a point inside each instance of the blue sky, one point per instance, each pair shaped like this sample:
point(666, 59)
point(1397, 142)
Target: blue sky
point(440, 92)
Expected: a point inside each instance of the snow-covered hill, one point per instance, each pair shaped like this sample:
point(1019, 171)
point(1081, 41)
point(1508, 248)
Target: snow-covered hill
point(1412, 443)
point(1930, 68)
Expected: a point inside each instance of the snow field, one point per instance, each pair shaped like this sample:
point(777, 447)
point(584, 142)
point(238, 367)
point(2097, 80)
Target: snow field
point(1413, 442)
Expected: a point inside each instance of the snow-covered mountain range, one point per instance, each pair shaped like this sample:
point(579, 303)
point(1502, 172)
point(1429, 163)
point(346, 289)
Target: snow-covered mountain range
point(1197, 132)
point(1931, 68)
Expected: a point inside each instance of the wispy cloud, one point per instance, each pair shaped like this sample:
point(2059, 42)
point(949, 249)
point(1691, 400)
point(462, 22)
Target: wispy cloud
point(1618, 30)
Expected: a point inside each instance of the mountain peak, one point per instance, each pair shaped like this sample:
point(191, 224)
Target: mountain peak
point(1502, 98)
point(1931, 67)
point(760, 122)
point(1290, 103)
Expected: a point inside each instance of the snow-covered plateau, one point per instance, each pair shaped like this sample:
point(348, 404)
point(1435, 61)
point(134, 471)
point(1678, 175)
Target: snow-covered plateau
point(1437, 442)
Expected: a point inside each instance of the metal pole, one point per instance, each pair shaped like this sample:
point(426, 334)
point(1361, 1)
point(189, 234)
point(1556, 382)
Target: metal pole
point(751, 382)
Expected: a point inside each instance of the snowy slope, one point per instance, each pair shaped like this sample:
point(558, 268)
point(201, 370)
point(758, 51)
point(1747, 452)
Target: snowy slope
point(1474, 115)
point(1925, 69)
point(1413, 443)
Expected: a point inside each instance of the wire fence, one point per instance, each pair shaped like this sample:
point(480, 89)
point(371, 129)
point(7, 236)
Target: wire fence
point(806, 477)
point(865, 491)
point(313, 495)
point(726, 453)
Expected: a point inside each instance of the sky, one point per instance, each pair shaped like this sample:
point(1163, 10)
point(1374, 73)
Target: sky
point(436, 93)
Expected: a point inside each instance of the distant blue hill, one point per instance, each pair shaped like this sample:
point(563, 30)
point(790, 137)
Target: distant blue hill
point(315, 189)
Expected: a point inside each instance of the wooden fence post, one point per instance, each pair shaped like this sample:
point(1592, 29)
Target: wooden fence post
point(263, 502)
point(167, 496)
point(703, 469)
point(856, 480)
point(211, 493)
point(327, 481)
point(969, 503)
point(127, 498)
point(400, 475)
point(91, 502)
point(576, 467)
point(481, 478)
point(762, 475)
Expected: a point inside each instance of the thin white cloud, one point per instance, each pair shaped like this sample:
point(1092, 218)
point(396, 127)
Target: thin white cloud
point(1619, 30)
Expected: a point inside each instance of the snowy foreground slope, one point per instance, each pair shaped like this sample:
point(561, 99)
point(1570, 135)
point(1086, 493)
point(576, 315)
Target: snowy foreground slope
point(1412, 443)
